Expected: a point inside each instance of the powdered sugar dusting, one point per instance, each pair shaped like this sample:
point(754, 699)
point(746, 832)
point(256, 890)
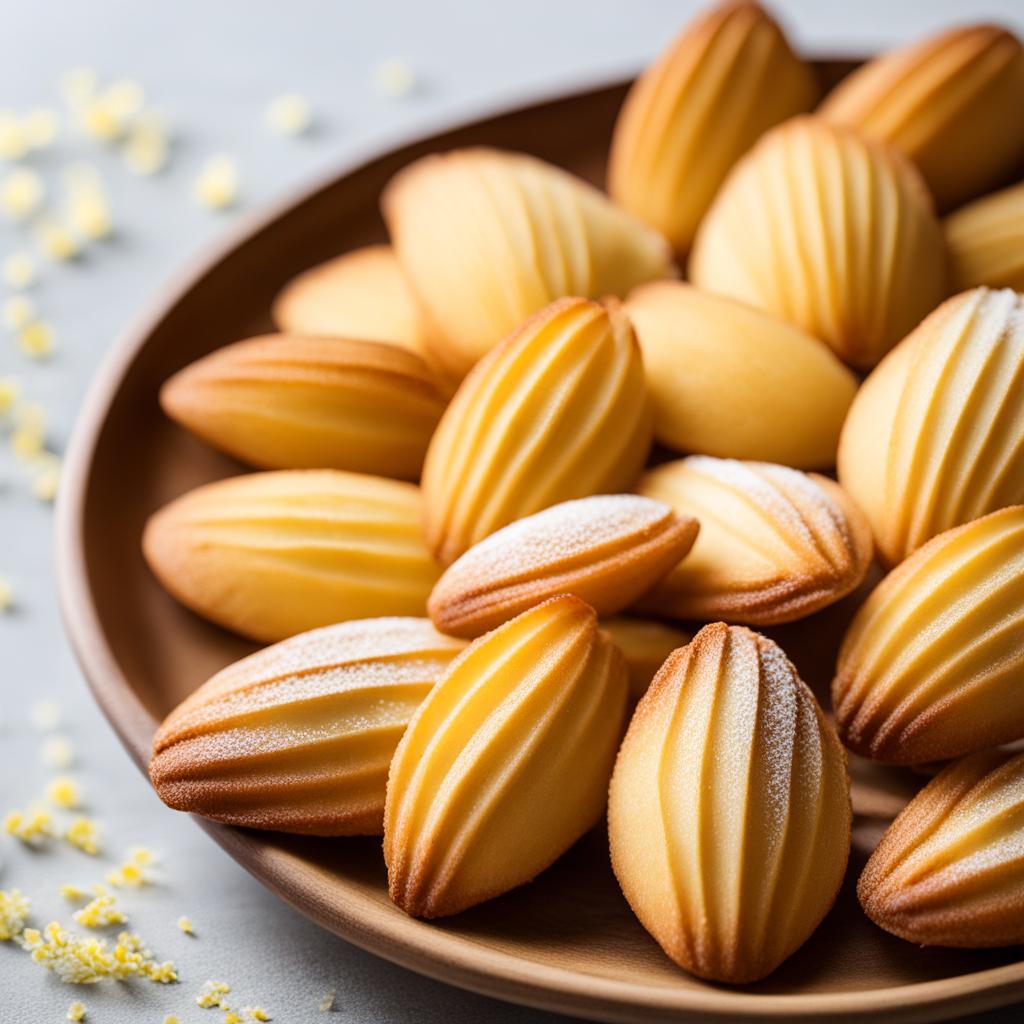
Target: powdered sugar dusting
point(779, 717)
point(395, 649)
point(805, 511)
point(559, 534)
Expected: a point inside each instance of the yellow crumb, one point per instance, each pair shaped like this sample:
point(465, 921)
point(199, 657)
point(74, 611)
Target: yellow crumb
point(14, 908)
point(256, 1013)
point(76, 1012)
point(89, 214)
point(20, 270)
point(83, 834)
point(146, 148)
point(63, 791)
point(212, 995)
point(21, 192)
point(18, 312)
point(32, 826)
point(327, 1003)
point(84, 961)
point(230, 1017)
point(35, 339)
point(26, 443)
point(185, 925)
point(9, 391)
point(132, 872)
point(290, 114)
point(217, 184)
point(163, 974)
point(100, 912)
point(46, 483)
point(72, 893)
point(58, 753)
point(100, 120)
point(13, 143)
point(6, 596)
point(394, 78)
point(55, 241)
point(171, 1019)
point(40, 128)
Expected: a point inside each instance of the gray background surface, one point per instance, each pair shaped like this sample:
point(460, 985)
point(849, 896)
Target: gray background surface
point(212, 67)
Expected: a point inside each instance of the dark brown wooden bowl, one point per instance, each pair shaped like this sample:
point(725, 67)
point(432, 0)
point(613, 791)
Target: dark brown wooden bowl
point(568, 941)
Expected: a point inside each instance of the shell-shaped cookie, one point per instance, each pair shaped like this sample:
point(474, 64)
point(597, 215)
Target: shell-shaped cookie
point(951, 103)
point(949, 871)
point(506, 763)
point(645, 644)
point(774, 545)
point(288, 402)
point(727, 379)
point(558, 411)
point(727, 78)
point(607, 549)
point(934, 437)
point(931, 666)
point(299, 736)
point(360, 294)
point(985, 240)
point(729, 811)
point(269, 555)
point(829, 231)
point(487, 238)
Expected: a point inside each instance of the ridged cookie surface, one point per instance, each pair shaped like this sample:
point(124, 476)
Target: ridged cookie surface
point(486, 238)
point(607, 549)
point(934, 438)
point(729, 811)
point(932, 664)
point(558, 411)
point(269, 555)
point(288, 402)
point(828, 230)
point(774, 544)
point(950, 869)
point(299, 736)
point(506, 764)
point(727, 78)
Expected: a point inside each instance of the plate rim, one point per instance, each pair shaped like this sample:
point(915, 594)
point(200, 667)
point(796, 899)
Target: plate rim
point(436, 953)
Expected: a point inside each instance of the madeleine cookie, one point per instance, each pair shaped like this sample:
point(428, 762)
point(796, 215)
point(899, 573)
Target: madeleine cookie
point(360, 294)
point(952, 103)
point(729, 809)
point(774, 545)
point(299, 736)
point(269, 555)
point(287, 402)
point(727, 78)
point(506, 764)
point(949, 870)
point(487, 238)
point(607, 550)
point(934, 437)
point(985, 240)
point(931, 665)
point(559, 410)
point(729, 380)
point(830, 231)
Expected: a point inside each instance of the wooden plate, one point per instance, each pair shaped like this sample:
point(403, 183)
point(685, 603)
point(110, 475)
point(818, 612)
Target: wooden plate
point(567, 942)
